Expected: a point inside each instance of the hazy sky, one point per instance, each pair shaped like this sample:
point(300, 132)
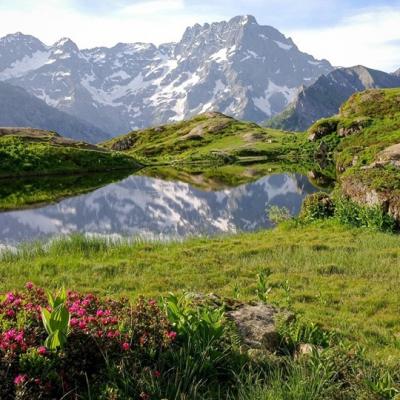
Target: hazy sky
point(345, 32)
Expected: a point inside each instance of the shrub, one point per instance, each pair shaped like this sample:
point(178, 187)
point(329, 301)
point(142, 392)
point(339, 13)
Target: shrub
point(320, 205)
point(105, 338)
point(350, 213)
point(317, 206)
point(278, 214)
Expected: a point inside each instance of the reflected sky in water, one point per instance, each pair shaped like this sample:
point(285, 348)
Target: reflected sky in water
point(151, 207)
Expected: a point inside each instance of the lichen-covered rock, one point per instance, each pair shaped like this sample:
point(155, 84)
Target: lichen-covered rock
point(124, 143)
point(391, 155)
point(362, 193)
point(256, 325)
point(353, 127)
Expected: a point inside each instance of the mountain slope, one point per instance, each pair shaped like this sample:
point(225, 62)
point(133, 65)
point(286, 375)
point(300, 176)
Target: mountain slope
point(19, 108)
point(28, 151)
point(324, 97)
point(238, 67)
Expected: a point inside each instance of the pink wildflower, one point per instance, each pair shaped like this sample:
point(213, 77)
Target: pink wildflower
point(20, 379)
point(126, 346)
point(172, 335)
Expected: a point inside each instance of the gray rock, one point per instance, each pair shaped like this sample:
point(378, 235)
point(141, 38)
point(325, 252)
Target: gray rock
point(256, 325)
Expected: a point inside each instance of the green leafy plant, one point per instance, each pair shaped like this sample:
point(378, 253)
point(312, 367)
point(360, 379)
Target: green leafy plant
point(263, 288)
point(56, 321)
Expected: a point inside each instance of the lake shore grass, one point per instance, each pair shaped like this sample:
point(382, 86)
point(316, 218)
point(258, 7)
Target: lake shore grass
point(344, 278)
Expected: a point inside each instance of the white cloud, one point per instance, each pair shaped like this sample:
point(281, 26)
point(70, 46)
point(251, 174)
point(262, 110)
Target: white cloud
point(156, 21)
point(151, 7)
point(370, 38)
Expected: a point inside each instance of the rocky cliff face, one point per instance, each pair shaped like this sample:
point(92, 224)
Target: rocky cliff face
point(237, 67)
point(18, 108)
point(324, 97)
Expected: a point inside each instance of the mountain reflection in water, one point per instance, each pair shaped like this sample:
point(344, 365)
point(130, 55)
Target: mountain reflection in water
point(151, 207)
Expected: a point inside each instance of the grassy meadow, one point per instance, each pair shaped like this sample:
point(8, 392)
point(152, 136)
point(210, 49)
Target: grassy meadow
point(345, 278)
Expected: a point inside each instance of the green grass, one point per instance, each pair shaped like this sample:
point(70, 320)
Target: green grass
point(346, 279)
point(53, 155)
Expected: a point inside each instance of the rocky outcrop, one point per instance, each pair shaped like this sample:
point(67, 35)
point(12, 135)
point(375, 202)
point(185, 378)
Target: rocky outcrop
point(354, 188)
point(125, 143)
point(354, 127)
point(391, 155)
point(323, 128)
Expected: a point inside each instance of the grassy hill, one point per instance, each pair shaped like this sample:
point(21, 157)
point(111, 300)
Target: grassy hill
point(209, 136)
point(32, 152)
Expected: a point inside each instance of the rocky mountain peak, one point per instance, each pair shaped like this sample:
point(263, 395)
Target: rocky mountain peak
point(66, 44)
point(243, 20)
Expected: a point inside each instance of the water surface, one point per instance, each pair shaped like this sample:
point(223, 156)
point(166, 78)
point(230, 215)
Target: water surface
point(151, 207)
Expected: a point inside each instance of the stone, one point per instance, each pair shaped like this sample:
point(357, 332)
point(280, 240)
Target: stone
point(306, 349)
point(256, 324)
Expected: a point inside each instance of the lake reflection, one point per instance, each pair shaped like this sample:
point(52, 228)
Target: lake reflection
point(152, 207)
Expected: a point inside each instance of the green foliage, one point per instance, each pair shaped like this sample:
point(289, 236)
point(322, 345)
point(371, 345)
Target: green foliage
point(350, 213)
point(200, 324)
point(297, 332)
point(56, 321)
point(317, 206)
point(278, 214)
point(340, 276)
point(263, 288)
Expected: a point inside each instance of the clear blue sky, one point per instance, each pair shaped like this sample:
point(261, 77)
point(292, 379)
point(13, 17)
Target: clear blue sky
point(345, 32)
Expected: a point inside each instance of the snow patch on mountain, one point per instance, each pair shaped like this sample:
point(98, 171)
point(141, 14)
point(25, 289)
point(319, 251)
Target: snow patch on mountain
point(23, 66)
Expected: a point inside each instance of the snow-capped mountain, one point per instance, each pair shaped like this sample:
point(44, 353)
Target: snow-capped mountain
point(238, 67)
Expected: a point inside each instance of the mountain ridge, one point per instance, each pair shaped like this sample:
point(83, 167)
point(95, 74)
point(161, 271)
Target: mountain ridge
point(324, 97)
point(18, 108)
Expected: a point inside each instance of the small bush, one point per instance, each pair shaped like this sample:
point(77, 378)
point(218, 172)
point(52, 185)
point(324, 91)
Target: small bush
point(278, 214)
point(350, 213)
point(317, 206)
